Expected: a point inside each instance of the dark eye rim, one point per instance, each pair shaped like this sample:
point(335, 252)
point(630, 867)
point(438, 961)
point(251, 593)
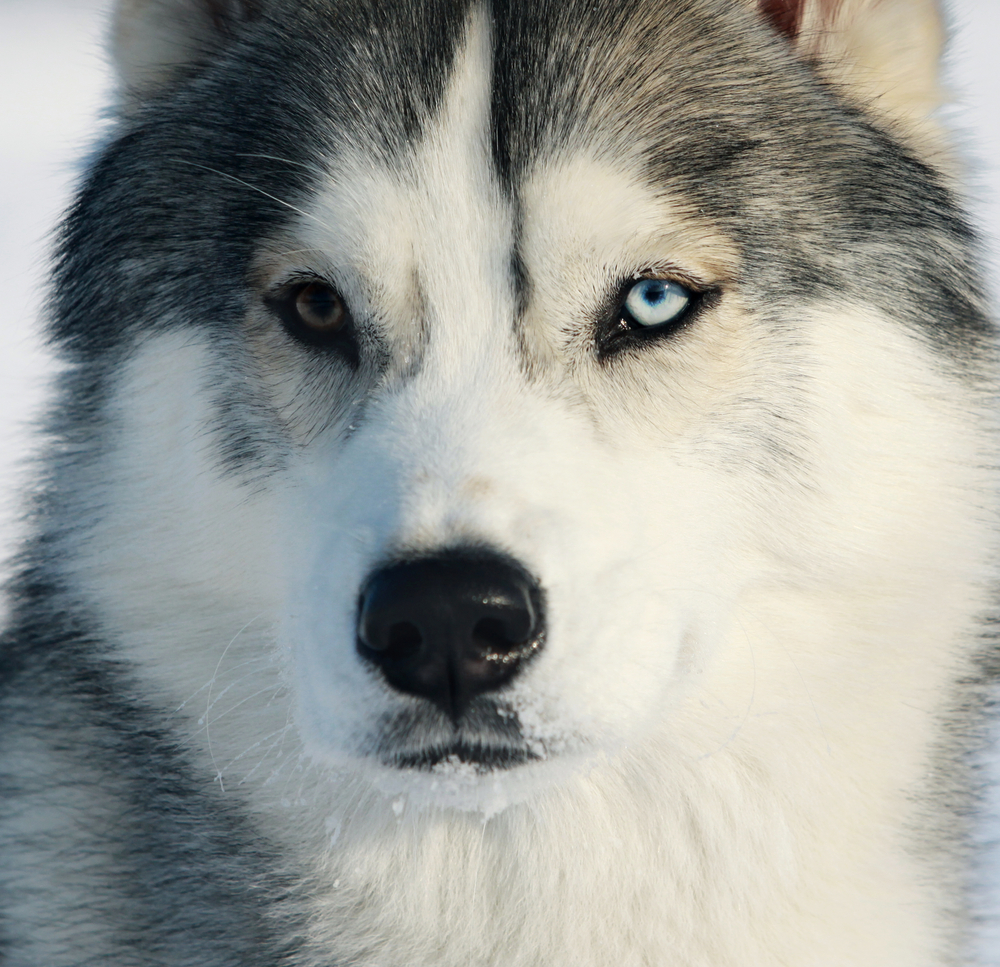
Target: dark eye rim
point(341, 341)
point(618, 331)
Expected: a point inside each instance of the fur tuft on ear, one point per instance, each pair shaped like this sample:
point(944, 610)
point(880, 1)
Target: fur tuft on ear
point(150, 39)
point(885, 53)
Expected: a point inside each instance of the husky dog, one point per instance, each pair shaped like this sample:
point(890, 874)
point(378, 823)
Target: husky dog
point(521, 492)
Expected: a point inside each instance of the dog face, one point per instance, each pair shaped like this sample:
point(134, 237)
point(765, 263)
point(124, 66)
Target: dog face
point(484, 429)
point(505, 378)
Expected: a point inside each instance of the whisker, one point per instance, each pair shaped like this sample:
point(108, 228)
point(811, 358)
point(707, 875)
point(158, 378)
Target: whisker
point(270, 688)
point(256, 745)
point(208, 704)
point(309, 166)
point(264, 757)
point(193, 695)
point(252, 187)
point(236, 681)
point(217, 698)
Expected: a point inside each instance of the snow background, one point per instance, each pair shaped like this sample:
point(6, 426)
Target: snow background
point(55, 81)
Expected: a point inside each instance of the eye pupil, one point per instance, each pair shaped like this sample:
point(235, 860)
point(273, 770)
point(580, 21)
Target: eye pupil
point(653, 292)
point(319, 307)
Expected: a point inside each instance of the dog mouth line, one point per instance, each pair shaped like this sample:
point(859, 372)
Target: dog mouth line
point(482, 757)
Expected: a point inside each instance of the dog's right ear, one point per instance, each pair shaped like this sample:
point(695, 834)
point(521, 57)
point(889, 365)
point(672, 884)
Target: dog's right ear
point(151, 39)
point(884, 53)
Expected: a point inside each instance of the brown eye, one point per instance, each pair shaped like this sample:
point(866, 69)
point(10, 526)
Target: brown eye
point(320, 308)
point(315, 315)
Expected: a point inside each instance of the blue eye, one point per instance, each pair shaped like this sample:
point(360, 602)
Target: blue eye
point(654, 302)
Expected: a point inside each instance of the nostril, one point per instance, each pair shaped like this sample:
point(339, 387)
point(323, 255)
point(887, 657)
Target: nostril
point(404, 640)
point(501, 637)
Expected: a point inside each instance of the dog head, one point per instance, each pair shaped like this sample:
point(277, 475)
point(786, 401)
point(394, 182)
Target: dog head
point(521, 356)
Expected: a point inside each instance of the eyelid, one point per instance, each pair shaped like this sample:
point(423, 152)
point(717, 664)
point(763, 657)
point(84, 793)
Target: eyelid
point(670, 273)
point(298, 278)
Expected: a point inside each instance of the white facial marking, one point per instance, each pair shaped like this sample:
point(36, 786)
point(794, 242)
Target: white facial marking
point(466, 450)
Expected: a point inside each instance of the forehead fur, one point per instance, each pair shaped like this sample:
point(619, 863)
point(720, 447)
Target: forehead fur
point(700, 99)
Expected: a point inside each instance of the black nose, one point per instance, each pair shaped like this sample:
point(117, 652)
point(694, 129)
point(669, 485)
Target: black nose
point(451, 626)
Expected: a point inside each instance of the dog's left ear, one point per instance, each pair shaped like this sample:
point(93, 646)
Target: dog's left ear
point(152, 39)
point(885, 53)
